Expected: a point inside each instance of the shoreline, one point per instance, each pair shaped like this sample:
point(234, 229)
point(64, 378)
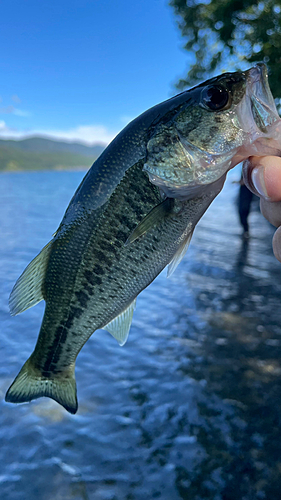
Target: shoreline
point(58, 169)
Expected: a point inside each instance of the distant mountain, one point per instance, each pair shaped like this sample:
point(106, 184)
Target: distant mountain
point(40, 153)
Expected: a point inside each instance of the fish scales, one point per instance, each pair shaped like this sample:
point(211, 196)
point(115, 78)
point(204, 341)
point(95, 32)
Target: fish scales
point(102, 276)
point(109, 274)
point(133, 214)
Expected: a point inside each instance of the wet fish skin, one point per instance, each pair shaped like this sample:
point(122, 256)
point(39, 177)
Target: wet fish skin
point(88, 274)
point(196, 146)
point(91, 279)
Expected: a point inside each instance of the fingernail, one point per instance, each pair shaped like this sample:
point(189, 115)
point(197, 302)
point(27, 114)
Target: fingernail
point(258, 181)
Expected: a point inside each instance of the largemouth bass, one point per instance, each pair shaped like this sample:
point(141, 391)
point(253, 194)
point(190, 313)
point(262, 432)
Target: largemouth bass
point(134, 214)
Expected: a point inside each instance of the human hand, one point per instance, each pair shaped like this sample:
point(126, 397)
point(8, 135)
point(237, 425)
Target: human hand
point(262, 175)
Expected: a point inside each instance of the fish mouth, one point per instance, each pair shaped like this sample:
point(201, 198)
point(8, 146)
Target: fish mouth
point(256, 128)
point(258, 117)
point(259, 96)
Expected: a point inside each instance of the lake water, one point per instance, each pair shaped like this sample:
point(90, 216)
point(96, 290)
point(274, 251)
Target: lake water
point(189, 408)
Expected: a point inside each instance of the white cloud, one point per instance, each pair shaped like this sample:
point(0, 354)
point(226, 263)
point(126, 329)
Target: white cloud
point(4, 129)
point(88, 134)
point(16, 98)
point(7, 110)
point(20, 112)
point(83, 133)
point(11, 110)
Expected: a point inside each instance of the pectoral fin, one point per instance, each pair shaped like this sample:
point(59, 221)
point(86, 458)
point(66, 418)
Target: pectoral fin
point(28, 289)
point(179, 255)
point(119, 327)
point(154, 217)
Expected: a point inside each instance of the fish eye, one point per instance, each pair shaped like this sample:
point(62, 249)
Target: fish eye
point(215, 97)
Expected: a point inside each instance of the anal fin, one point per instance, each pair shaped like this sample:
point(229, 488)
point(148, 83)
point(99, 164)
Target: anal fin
point(119, 327)
point(179, 255)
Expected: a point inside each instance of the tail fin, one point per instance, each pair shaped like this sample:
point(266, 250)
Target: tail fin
point(30, 384)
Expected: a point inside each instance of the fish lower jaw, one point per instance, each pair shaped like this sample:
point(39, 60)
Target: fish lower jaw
point(187, 191)
point(193, 183)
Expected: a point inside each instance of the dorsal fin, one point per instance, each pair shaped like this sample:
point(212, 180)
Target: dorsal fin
point(179, 255)
point(28, 289)
point(119, 327)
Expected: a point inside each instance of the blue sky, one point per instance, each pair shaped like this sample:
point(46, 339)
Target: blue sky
point(81, 69)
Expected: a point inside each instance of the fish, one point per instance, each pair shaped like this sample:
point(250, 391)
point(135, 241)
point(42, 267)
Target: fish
point(134, 214)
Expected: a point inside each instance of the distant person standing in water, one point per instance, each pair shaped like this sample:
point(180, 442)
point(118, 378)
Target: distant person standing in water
point(244, 206)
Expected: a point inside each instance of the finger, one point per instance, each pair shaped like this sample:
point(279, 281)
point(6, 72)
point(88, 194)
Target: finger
point(276, 244)
point(271, 211)
point(262, 175)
